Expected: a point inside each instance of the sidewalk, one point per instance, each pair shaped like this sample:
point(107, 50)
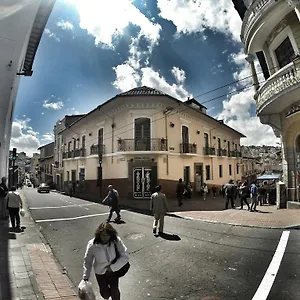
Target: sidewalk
point(28, 269)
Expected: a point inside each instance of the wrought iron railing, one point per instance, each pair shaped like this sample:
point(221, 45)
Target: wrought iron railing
point(224, 152)
point(96, 148)
point(71, 154)
point(209, 151)
point(188, 148)
point(219, 152)
point(142, 144)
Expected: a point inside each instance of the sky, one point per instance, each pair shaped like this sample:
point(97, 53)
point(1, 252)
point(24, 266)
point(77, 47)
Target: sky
point(92, 50)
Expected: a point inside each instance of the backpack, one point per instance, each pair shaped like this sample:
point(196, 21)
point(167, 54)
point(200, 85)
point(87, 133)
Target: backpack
point(230, 190)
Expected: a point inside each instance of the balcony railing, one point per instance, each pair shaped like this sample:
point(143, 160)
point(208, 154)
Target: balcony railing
point(71, 154)
point(235, 153)
point(209, 151)
point(65, 155)
point(252, 15)
point(95, 149)
point(188, 148)
point(142, 145)
point(224, 152)
point(286, 79)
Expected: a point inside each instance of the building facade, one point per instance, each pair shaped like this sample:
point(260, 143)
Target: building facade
point(35, 169)
point(271, 31)
point(58, 172)
point(144, 137)
point(46, 164)
point(22, 24)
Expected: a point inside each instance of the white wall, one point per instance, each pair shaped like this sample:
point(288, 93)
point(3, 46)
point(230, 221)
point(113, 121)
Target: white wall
point(16, 20)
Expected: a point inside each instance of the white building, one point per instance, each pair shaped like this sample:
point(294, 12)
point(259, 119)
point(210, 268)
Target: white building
point(271, 31)
point(22, 23)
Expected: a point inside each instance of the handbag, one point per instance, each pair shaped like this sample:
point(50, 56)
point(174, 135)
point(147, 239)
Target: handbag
point(121, 272)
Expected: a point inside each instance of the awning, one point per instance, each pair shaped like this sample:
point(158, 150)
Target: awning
point(38, 27)
point(269, 177)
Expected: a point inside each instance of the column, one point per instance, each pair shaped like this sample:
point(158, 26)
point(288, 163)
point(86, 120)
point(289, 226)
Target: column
point(250, 59)
point(293, 4)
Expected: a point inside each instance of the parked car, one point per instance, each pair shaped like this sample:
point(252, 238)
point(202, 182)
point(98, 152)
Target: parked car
point(43, 187)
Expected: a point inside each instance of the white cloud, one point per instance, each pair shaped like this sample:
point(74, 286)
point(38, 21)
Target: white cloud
point(53, 105)
point(237, 108)
point(23, 138)
point(65, 25)
point(197, 15)
point(51, 34)
point(108, 19)
point(179, 75)
point(48, 137)
point(126, 77)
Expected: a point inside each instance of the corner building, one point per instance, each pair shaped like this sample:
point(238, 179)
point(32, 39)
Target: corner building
point(147, 137)
point(271, 32)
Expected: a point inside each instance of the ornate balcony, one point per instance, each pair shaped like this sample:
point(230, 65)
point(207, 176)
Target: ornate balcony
point(95, 149)
point(142, 145)
point(255, 12)
point(71, 154)
point(281, 83)
point(209, 151)
point(188, 148)
point(224, 152)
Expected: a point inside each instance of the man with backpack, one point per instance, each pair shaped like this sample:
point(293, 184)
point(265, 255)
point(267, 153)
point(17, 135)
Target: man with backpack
point(230, 191)
point(112, 200)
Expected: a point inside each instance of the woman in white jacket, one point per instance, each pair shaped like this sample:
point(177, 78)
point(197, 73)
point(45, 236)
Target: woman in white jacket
point(101, 252)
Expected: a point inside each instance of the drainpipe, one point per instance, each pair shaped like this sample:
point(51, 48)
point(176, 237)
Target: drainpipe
point(112, 139)
point(212, 159)
point(166, 133)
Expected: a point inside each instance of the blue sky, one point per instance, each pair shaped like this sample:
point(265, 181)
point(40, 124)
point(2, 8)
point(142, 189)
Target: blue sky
point(91, 50)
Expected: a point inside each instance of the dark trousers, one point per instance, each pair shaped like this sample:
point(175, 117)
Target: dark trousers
point(230, 198)
point(108, 286)
point(244, 199)
point(14, 216)
point(179, 198)
point(111, 211)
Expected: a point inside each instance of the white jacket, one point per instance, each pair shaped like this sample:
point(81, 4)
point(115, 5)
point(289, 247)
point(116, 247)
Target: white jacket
point(102, 256)
point(14, 200)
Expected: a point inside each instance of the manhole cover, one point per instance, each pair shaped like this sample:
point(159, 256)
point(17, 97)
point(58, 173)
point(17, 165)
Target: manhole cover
point(136, 236)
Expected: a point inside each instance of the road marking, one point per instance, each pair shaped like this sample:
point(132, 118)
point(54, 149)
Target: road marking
point(70, 219)
point(63, 206)
point(269, 278)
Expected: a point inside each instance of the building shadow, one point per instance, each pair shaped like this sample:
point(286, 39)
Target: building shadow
point(5, 236)
point(169, 237)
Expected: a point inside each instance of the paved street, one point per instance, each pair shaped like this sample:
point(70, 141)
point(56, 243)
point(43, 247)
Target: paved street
point(210, 261)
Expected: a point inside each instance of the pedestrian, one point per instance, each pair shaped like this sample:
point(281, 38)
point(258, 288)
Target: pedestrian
point(179, 191)
point(230, 191)
point(262, 192)
point(243, 192)
point(3, 202)
point(14, 203)
point(214, 191)
point(107, 253)
point(112, 200)
point(159, 208)
point(253, 196)
point(205, 190)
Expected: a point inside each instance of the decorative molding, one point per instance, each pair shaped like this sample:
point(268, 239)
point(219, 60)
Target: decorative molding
point(280, 26)
point(295, 108)
point(184, 121)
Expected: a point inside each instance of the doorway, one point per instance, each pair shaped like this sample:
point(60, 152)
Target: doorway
point(142, 182)
point(198, 177)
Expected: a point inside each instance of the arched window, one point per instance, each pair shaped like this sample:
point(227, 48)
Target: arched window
point(142, 134)
point(298, 144)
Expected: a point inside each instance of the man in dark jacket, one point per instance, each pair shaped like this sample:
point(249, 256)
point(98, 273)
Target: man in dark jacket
point(179, 191)
point(112, 200)
point(230, 191)
point(3, 201)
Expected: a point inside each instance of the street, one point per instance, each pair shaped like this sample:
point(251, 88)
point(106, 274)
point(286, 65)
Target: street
point(207, 261)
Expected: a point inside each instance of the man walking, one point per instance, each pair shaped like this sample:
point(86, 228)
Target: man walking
point(3, 200)
point(230, 190)
point(253, 196)
point(112, 199)
point(159, 207)
point(243, 192)
point(179, 191)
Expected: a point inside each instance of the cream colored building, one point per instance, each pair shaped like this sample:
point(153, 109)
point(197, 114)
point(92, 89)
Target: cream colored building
point(46, 163)
point(271, 30)
point(35, 168)
point(147, 137)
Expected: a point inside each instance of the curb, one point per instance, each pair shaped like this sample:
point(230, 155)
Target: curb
point(47, 245)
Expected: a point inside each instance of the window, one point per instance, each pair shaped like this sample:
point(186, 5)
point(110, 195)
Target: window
point(220, 171)
point(237, 169)
point(207, 169)
point(206, 143)
point(185, 138)
point(74, 144)
point(230, 170)
point(284, 53)
point(219, 143)
point(228, 146)
point(142, 134)
point(100, 136)
point(81, 174)
point(83, 142)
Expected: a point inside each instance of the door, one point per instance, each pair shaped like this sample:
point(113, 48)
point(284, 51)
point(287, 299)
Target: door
point(186, 174)
point(142, 134)
point(185, 139)
point(198, 177)
point(141, 182)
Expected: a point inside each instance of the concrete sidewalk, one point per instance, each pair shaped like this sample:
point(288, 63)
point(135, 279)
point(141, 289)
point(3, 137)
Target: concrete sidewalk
point(28, 269)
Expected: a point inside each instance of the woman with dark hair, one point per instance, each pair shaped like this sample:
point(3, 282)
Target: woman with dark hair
point(107, 253)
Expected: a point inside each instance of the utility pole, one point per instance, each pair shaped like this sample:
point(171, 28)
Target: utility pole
point(14, 157)
point(100, 167)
